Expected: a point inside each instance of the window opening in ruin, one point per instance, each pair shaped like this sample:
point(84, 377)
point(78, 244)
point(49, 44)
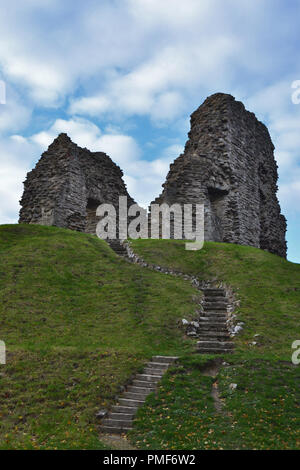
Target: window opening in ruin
point(217, 198)
point(91, 218)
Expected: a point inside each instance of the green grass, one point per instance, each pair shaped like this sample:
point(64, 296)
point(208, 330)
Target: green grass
point(77, 321)
point(263, 411)
point(267, 286)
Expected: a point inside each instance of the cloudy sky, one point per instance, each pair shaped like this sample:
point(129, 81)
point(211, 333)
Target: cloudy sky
point(123, 76)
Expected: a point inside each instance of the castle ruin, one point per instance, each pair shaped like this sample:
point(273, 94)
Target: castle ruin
point(68, 184)
point(228, 165)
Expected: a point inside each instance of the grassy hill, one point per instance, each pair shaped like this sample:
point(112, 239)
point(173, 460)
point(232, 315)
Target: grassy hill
point(263, 411)
point(78, 321)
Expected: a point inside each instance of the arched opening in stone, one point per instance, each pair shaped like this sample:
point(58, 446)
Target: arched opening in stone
point(217, 202)
point(91, 218)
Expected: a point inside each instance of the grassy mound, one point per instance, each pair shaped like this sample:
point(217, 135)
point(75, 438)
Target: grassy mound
point(77, 321)
point(267, 286)
point(262, 412)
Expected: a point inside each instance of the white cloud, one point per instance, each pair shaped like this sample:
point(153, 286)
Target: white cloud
point(289, 195)
point(131, 56)
point(94, 105)
point(136, 56)
point(286, 161)
point(16, 155)
point(173, 151)
point(83, 132)
point(121, 148)
point(161, 85)
point(14, 115)
point(153, 58)
point(172, 13)
point(143, 178)
point(273, 104)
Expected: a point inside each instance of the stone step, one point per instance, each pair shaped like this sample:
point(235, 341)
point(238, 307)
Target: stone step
point(212, 326)
point(214, 308)
point(121, 423)
point(121, 416)
point(149, 377)
point(217, 297)
point(214, 298)
point(222, 331)
point(214, 292)
point(216, 305)
point(157, 365)
point(130, 402)
point(124, 409)
point(164, 359)
point(117, 247)
point(210, 338)
point(135, 396)
point(221, 322)
point(150, 371)
point(212, 319)
point(143, 383)
point(213, 335)
point(215, 344)
point(214, 351)
point(135, 389)
point(114, 429)
point(214, 314)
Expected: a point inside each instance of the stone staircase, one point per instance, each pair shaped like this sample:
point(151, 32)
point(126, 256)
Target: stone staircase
point(213, 333)
point(117, 247)
point(119, 419)
point(212, 330)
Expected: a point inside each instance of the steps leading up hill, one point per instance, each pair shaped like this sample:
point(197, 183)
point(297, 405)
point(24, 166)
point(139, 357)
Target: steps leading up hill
point(214, 336)
point(119, 419)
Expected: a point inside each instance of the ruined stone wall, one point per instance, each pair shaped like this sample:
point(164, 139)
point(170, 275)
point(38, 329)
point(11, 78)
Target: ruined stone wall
point(68, 184)
point(228, 164)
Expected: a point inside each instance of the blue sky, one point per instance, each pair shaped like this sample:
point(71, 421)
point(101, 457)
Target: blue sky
point(123, 76)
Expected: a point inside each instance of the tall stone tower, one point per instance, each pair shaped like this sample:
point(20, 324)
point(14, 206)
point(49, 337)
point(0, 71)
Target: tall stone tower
point(228, 164)
point(68, 184)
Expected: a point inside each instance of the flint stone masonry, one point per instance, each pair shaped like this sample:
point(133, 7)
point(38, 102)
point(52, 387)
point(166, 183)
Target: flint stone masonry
point(228, 165)
point(68, 184)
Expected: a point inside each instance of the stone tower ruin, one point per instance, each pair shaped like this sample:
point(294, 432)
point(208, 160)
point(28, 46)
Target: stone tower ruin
point(68, 184)
point(228, 164)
